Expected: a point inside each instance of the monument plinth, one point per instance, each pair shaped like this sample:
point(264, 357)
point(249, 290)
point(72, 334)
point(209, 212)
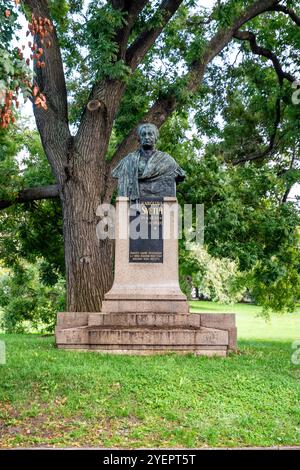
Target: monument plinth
point(146, 280)
point(145, 311)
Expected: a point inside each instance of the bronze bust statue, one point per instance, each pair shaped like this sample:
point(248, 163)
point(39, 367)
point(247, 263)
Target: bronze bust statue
point(148, 172)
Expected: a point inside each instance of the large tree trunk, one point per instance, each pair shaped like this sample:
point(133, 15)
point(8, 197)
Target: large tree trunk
point(89, 271)
point(89, 261)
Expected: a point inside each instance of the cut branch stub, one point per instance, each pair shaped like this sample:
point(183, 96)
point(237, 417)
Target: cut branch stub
point(93, 105)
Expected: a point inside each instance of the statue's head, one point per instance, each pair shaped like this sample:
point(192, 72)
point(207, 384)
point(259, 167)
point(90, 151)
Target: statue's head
point(148, 135)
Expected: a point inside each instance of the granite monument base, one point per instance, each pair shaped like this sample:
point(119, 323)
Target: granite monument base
point(147, 333)
point(145, 312)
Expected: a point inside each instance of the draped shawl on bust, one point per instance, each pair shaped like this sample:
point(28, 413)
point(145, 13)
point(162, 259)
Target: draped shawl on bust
point(159, 166)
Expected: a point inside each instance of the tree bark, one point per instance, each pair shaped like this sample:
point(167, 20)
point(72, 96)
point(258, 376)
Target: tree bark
point(89, 261)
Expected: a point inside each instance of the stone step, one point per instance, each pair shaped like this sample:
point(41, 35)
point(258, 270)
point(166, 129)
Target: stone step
point(78, 319)
point(148, 350)
point(142, 327)
point(152, 336)
point(142, 336)
point(144, 319)
point(117, 332)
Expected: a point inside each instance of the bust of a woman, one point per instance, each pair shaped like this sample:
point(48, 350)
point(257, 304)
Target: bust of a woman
point(148, 172)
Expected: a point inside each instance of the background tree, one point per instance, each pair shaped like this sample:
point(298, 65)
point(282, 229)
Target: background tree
point(32, 287)
point(15, 75)
point(114, 81)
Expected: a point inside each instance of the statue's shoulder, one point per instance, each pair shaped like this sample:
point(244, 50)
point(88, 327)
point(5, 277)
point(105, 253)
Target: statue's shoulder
point(167, 156)
point(170, 163)
point(129, 159)
point(162, 154)
point(124, 164)
point(131, 156)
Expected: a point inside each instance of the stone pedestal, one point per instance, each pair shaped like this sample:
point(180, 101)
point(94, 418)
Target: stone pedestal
point(145, 312)
point(146, 287)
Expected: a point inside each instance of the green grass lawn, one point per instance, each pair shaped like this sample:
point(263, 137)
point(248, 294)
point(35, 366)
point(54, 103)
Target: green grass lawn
point(58, 398)
point(251, 325)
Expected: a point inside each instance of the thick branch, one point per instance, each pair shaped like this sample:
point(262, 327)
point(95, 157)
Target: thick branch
point(271, 146)
point(281, 74)
point(164, 107)
point(131, 10)
point(53, 123)
point(51, 79)
point(32, 194)
point(222, 39)
point(107, 92)
point(262, 51)
point(137, 51)
point(288, 11)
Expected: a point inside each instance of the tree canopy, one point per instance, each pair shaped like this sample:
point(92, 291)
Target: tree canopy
point(219, 81)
